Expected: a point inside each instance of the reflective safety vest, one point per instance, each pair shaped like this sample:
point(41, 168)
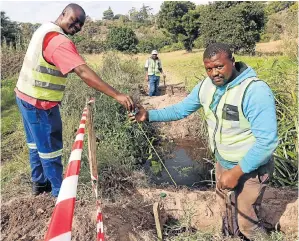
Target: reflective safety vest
point(38, 78)
point(229, 130)
point(154, 66)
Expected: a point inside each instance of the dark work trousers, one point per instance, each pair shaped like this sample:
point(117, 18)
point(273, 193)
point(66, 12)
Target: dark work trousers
point(246, 200)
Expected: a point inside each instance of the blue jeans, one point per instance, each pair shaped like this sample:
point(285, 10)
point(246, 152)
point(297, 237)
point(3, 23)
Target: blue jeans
point(154, 85)
point(43, 129)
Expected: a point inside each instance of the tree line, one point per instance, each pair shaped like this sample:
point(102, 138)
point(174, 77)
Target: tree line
point(178, 25)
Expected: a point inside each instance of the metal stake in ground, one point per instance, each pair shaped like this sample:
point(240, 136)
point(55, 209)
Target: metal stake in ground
point(94, 169)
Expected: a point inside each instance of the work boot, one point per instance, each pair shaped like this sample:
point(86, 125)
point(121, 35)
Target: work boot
point(38, 188)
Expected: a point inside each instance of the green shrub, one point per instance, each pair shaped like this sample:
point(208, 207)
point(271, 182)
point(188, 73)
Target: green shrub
point(199, 43)
point(89, 46)
point(173, 47)
point(123, 39)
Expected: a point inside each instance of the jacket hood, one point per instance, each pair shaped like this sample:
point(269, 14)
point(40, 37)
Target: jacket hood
point(246, 72)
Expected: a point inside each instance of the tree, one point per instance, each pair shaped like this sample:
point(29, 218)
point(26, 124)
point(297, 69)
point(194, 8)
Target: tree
point(108, 14)
point(275, 7)
point(9, 29)
point(141, 15)
point(27, 30)
point(122, 39)
point(238, 24)
point(181, 20)
point(191, 24)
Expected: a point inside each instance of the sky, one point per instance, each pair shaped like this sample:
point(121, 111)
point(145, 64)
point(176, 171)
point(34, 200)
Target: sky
point(44, 11)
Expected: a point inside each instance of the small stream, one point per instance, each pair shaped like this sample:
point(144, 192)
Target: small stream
point(185, 163)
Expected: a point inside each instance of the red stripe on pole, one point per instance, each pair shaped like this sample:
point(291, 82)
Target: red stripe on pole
point(72, 169)
point(83, 122)
point(100, 237)
point(77, 145)
point(81, 130)
point(62, 218)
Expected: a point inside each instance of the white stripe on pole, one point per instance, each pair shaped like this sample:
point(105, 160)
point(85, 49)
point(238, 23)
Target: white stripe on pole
point(75, 155)
point(81, 126)
point(79, 137)
point(62, 237)
point(68, 188)
point(100, 226)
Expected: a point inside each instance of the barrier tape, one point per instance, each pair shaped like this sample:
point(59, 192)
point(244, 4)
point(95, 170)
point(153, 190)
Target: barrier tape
point(61, 221)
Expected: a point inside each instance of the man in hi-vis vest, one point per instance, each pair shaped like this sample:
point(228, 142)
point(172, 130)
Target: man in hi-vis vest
point(51, 55)
point(153, 69)
point(242, 127)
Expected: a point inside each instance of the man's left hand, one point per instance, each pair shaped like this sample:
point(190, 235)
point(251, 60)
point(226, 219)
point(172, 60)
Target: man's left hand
point(229, 179)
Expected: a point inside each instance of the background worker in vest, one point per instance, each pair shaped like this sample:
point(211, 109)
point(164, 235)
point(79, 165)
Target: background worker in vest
point(51, 55)
point(241, 118)
point(153, 69)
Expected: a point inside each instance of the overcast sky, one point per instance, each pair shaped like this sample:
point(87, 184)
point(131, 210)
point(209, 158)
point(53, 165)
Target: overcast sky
point(44, 11)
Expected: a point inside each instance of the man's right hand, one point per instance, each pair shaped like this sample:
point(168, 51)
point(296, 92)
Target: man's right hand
point(146, 78)
point(141, 116)
point(126, 101)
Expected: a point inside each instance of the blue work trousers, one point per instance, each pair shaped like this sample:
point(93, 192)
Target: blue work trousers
point(43, 130)
point(154, 85)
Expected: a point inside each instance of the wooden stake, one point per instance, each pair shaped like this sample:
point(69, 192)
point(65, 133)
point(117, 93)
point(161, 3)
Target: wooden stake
point(91, 144)
point(157, 215)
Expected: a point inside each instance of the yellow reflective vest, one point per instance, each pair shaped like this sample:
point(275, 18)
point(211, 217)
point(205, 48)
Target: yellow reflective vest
point(154, 66)
point(38, 78)
point(229, 130)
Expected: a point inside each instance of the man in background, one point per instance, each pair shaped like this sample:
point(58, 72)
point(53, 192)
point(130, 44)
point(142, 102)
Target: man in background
point(153, 70)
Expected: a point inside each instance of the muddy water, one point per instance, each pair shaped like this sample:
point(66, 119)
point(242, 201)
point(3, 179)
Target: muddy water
point(185, 163)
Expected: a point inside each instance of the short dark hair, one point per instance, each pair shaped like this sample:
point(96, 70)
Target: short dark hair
point(74, 6)
point(216, 48)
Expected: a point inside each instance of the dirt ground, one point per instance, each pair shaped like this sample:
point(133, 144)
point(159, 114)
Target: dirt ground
point(130, 218)
point(186, 128)
point(27, 219)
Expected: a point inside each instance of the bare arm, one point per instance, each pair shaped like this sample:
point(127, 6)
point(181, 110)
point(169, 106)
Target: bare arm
point(94, 81)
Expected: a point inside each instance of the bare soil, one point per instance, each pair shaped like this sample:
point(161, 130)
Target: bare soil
point(27, 219)
point(187, 128)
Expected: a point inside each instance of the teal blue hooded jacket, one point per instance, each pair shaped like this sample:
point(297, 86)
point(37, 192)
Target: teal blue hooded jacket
point(258, 108)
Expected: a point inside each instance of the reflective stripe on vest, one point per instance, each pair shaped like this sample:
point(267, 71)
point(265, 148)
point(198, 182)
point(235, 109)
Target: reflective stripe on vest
point(153, 67)
point(38, 78)
point(229, 130)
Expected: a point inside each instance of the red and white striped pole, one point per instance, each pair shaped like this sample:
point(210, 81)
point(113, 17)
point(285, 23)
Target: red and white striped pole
point(61, 222)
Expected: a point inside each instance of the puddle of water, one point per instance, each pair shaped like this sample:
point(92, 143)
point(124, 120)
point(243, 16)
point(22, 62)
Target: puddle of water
point(185, 164)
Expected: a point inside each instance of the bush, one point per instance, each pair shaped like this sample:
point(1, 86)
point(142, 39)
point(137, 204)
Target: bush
point(146, 45)
point(122, 39)
point(173, 47)
point(199, 43)
point(89, 46)
point(11, 60)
